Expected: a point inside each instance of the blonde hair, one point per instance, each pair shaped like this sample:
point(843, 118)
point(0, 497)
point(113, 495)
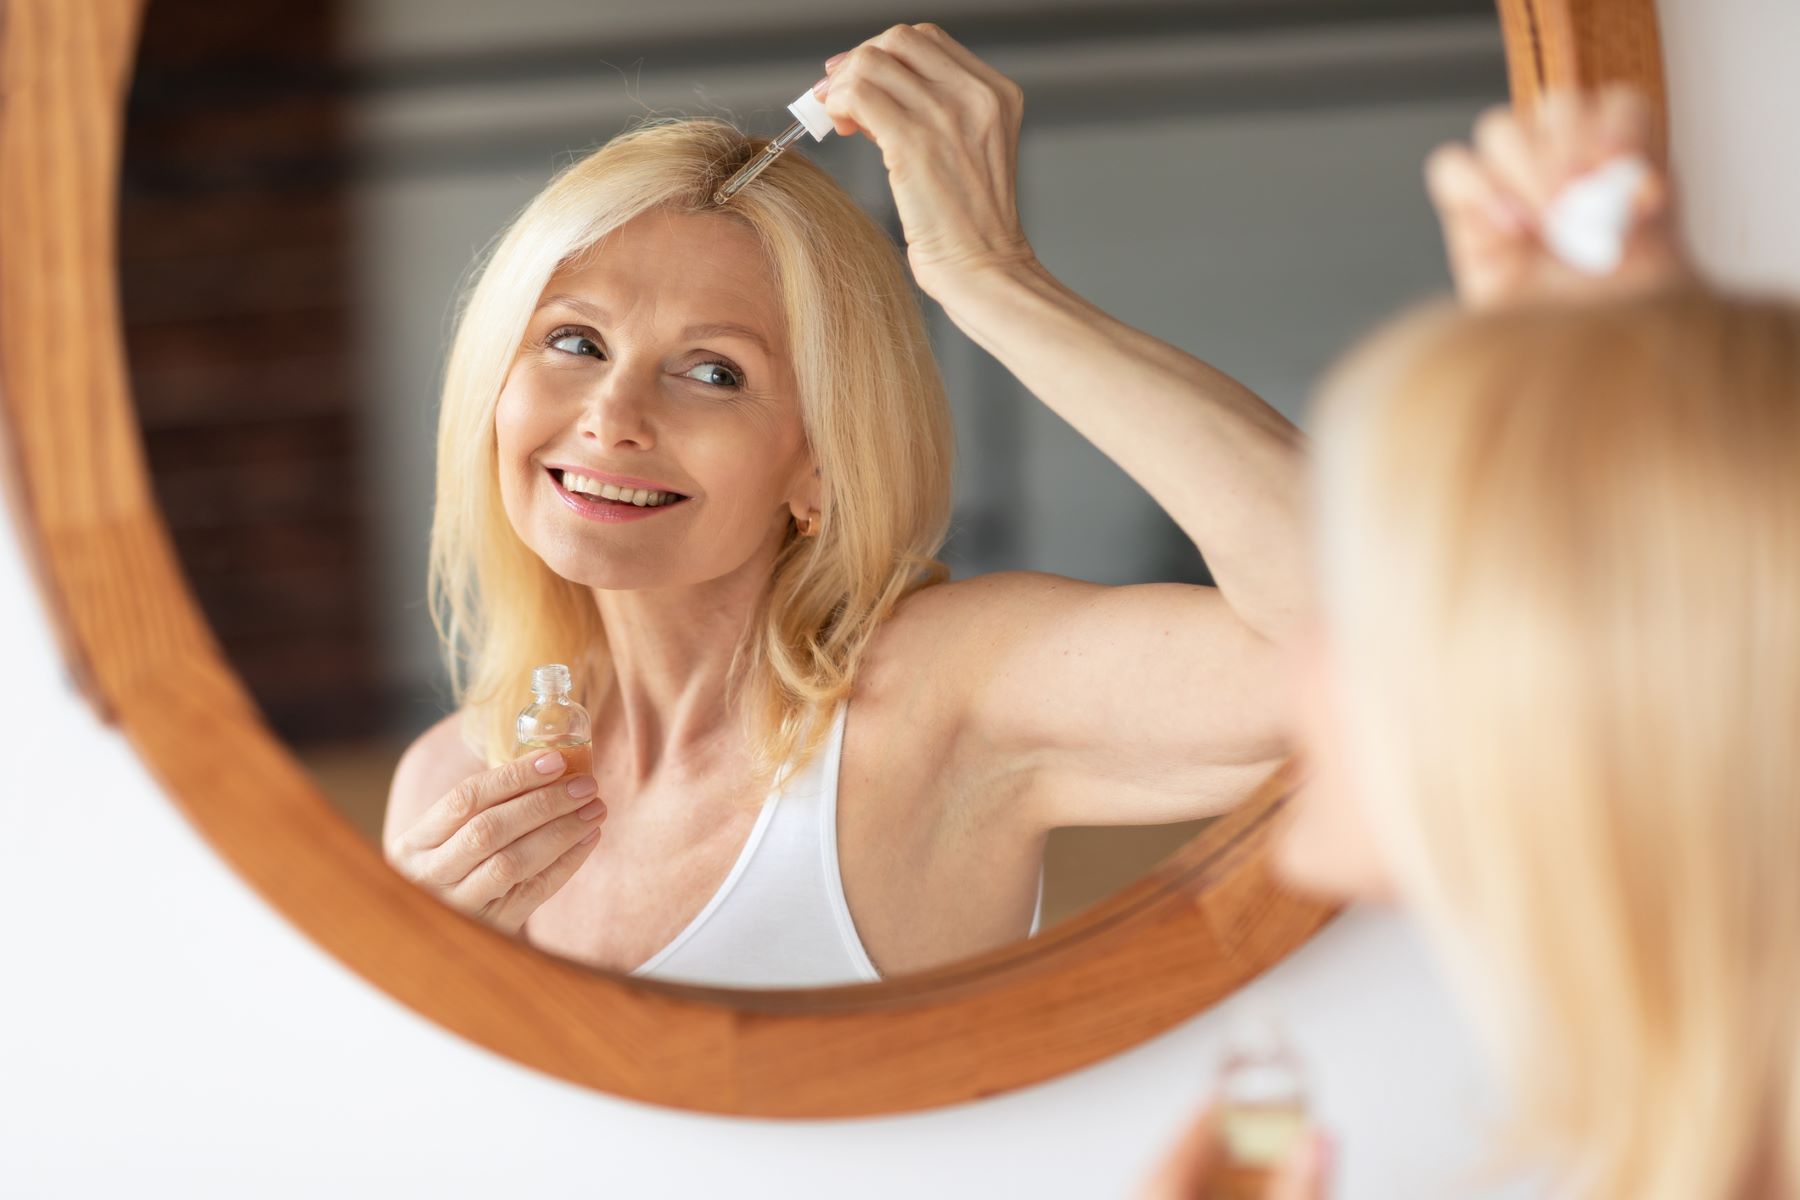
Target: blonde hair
point(872, 405)
point(1561, 554)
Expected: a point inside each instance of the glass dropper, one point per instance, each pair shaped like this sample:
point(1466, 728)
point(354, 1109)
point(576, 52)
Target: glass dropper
point(760, 163)
point(810, 117)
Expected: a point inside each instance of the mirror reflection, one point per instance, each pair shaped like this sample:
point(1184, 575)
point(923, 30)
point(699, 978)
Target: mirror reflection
point(917, 575)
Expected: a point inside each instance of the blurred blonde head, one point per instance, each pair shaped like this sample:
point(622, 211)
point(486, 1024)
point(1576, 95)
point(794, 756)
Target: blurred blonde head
point(872, 406)
point(1561, 560)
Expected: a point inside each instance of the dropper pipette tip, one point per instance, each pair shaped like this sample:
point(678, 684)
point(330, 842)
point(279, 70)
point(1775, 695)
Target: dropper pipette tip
point(760, 163)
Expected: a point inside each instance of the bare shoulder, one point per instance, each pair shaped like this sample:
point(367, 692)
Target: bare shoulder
point(923, 666)
point(435, 762)
point(968, 611)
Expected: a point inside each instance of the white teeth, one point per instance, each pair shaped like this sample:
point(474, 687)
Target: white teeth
point(642, 497)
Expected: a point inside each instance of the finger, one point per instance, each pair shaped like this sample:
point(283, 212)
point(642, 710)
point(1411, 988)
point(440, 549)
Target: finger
point(493, 830)
point(870, 94)
point(876, 59)
point(922, 53)
point(1508, 154)
point(844, 126)
point(1624, 123)
point(478, 793)
point(933, 35)
point(983, 91)
point(1468, 196)
point(523, 899)
point(1189, 1165)
point(941, 59)
point(517, 861)
point(971, 62)
point(1564, 136)
point(1306, 1173)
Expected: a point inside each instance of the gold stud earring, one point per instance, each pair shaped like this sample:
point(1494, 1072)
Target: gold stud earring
point(811, 527)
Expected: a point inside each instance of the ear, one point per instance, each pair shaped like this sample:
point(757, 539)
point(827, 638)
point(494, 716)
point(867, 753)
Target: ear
point(806, 498)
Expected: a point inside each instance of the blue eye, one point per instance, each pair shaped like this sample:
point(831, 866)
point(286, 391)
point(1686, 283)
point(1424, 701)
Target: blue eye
point(716, 373)
point(571, 341)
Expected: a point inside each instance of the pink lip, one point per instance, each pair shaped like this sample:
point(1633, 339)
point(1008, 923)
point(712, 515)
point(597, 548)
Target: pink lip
point(630, 481)
point(607, 511)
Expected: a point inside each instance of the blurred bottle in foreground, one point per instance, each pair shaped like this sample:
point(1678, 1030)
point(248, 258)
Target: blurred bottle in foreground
point(1261, 1096)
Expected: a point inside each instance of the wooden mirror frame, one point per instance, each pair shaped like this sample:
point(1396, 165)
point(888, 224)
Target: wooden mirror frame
point(1206, 921)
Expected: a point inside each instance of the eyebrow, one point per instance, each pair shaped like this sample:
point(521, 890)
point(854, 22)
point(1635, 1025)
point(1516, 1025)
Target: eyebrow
point(711, 329)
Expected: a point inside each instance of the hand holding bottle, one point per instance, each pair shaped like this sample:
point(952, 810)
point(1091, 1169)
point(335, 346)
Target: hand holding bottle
point(502, 842)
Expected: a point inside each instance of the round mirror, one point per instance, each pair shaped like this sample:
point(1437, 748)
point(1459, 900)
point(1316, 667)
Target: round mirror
point(300, 205)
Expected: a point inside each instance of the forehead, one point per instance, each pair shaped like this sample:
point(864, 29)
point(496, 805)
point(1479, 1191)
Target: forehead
point(683, 266)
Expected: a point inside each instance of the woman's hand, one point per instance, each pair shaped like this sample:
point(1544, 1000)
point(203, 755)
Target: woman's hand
point(1492, 199)
point(948, 128)
point(503, 841)
point(1195, 1166)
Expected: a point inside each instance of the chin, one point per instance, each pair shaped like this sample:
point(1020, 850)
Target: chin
point(608, 572)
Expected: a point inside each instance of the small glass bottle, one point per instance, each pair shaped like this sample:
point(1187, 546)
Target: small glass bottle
point(1261, 1108)
point(553, 721)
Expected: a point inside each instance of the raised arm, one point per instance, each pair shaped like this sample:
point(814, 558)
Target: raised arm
point(1111, 705)
point(1220, 461)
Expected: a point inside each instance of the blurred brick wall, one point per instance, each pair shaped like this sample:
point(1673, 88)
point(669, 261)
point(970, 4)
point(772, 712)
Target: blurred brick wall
point(235, 273)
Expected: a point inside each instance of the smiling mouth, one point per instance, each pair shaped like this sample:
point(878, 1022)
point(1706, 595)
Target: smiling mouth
point(596, 492)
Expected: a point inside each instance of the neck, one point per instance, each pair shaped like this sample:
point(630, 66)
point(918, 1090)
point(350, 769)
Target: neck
point(670, 652)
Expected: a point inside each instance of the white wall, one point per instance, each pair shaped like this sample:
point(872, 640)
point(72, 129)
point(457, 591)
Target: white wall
point(161, 1033)
point(1735, 95)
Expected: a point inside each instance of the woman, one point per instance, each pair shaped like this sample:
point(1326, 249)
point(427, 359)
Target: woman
point(1553, 697)
point(758, 376)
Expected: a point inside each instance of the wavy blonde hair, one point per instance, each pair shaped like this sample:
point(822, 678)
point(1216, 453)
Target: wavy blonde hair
point(872, 405)
point(1562, 576)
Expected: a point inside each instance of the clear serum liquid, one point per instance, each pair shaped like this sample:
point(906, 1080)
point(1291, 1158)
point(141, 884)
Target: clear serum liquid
point(1262, 1111)
point(553, 721)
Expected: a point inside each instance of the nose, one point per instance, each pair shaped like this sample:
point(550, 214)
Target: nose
point(617, 412)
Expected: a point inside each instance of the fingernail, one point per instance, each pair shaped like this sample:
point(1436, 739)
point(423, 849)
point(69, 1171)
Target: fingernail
point(821, 88)
point(548, 764)
point(591, 835)
point(835, 59)
point(582, 785)
point(591, 810)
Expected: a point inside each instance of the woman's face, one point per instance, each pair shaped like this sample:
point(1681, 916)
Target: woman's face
point(655, 373)
point(1328, 845)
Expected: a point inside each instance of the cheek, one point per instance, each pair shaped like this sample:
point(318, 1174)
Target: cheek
point(751, 459)
point(519, 432)
point(513, 419)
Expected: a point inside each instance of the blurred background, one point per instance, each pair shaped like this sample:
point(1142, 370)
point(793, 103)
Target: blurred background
point(306, 184)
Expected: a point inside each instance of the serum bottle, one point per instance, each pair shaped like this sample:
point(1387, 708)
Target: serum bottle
point(1262, 1108)
point(553, 721)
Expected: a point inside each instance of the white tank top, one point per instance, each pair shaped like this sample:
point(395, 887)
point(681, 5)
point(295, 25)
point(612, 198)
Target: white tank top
point(779, 919)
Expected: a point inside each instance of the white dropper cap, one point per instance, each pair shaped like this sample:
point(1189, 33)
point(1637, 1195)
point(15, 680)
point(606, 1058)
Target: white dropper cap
point(809, 110)
point(1587, 223)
